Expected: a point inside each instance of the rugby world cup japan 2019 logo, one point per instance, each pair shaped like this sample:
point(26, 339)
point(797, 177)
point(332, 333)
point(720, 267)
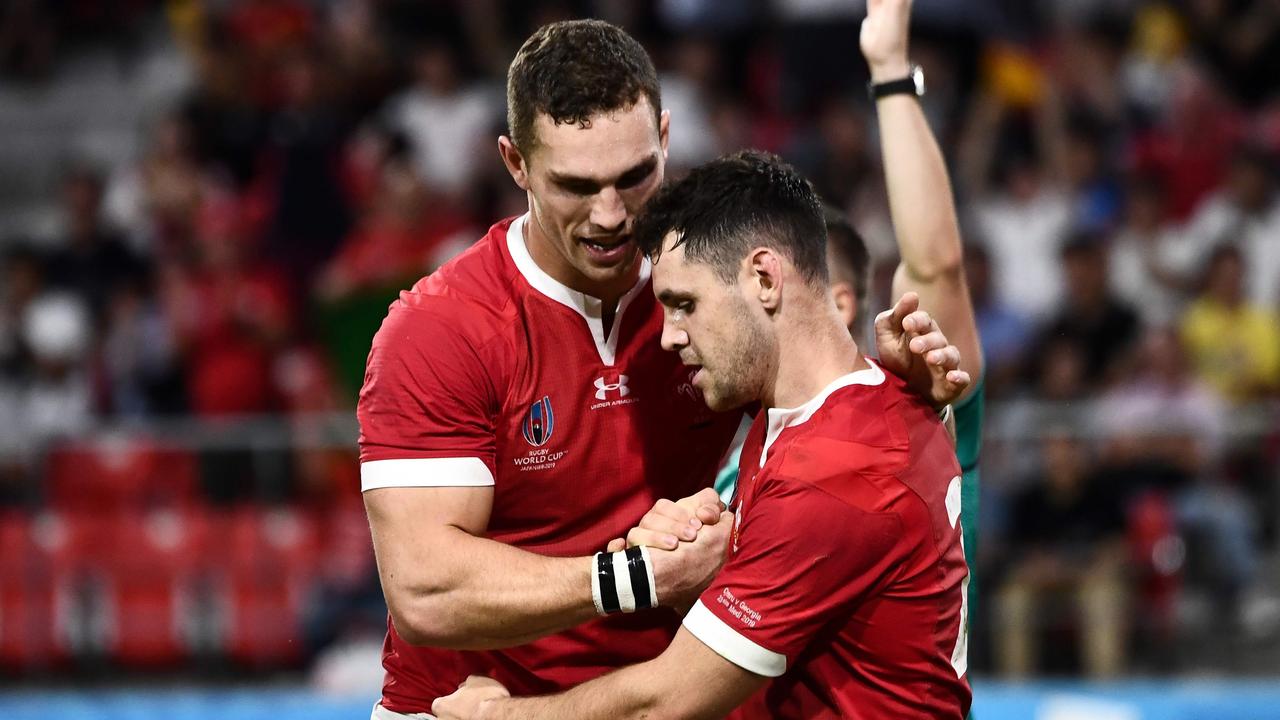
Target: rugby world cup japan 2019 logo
point(539, 422)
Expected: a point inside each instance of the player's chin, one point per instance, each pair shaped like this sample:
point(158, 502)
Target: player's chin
point(720, 402)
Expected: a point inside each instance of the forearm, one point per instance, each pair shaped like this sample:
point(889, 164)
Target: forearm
point(920, 196)
point(924, 219)
point(486, 594)
point(622, 695)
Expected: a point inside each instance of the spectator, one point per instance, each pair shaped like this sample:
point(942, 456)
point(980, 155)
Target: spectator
point(688, 89)
point(445, 119)
point(1150, 260)
point(1234, 344)
point(231, 316)
point(1003, 330)
point(1163, 411)
point(300, 176)
point(1246, 212)
point(92, 261)
point(1067, 530)
point(139, 358)
point(1189, 144)
point(23, 282)
point(155, 200)
point(1103, 327)
point(1025, 213)
point(57, 400)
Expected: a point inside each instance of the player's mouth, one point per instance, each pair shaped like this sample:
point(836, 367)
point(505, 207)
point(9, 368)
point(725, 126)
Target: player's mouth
point(696, 371)
point(608, 250)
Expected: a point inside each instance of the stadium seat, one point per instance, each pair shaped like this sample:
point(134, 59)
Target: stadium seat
point(1158, 554)
point(36, 582)
point(112, 474)
point(271, 559)
point(154, 567)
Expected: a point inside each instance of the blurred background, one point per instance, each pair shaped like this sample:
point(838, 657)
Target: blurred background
point(207, 205)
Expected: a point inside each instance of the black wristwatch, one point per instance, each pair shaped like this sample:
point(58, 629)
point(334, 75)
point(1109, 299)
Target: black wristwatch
point(912, 84)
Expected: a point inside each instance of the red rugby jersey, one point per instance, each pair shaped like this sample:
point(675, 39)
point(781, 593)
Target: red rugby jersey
point(845, 573)
point(489, 372)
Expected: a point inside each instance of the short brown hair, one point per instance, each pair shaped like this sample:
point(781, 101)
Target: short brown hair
point(724, 207)
point(572, 70)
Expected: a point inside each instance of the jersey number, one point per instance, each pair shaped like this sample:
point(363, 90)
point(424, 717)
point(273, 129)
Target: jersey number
point(960, 654)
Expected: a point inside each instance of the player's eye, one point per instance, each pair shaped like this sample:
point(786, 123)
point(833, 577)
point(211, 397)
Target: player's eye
point(635, 177)
point(686, 307)
point(578, 188)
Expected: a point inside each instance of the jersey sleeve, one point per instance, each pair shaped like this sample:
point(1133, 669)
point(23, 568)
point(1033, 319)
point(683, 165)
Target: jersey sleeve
point(428, 407)
point(802, 558)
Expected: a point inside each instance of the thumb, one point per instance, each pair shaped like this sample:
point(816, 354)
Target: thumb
point(616, 545)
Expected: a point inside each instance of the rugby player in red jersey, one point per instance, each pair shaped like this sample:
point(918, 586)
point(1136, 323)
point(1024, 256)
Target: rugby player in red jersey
point(519, 411)
point(843, 573)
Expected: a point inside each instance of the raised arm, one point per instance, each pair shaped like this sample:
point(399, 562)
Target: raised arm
point(920, 195)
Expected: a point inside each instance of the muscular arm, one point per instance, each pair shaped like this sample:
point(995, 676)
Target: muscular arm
point(447, 586)
point(688, 680)
point(920, 196)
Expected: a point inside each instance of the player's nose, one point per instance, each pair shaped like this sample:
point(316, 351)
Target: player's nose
point(673, 338)
point(608, 212)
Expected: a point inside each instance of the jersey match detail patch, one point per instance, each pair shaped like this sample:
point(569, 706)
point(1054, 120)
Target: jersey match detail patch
point(732, 645)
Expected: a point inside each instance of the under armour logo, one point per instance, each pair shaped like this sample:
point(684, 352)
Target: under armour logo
point(603, 389)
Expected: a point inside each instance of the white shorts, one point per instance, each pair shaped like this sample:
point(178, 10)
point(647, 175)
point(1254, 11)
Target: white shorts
point(381, 713)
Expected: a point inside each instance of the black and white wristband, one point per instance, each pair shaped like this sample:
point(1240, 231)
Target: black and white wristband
point(946, 413)
point(623, 581)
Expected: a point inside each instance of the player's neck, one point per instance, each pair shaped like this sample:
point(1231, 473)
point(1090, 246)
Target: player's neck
point(562, 271)
point(814, 356)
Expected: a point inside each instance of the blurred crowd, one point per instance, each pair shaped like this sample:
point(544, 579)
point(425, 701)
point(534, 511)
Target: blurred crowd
point(1115, 163)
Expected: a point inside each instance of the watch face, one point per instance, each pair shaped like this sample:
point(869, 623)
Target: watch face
point(917, 76)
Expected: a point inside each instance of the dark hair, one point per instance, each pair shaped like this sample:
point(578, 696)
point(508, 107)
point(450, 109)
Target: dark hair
point(723, 208)
point(853, 262)
point(572, 70)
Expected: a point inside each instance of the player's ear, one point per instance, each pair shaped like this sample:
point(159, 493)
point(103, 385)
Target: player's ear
point(765, 268)
point(846, 302)
point(664, 130)
point(515, 162)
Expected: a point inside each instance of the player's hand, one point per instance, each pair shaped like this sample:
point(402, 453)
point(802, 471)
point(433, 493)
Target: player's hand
point(884, 39)
point(682, 574)
point(911, 346)
point(669, 523)
point(467, 702)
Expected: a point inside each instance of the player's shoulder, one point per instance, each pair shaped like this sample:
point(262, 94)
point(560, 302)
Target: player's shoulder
point(866, 420)
point(482, 275)
point(473, 294)
point(862, 434)
point(467, 301)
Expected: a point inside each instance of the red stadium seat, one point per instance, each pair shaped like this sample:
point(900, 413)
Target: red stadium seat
point(271, 561)
point(115, 473)
point(154, 564)
point(1158, 554)
point(35, 589)
point(347, 547)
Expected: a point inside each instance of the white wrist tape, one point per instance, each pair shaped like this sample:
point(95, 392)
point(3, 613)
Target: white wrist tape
point(623, 581)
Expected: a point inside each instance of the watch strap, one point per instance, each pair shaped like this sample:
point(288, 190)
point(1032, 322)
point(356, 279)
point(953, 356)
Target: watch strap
point(905, 86)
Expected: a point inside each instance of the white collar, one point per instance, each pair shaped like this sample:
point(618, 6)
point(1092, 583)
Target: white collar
point(780, 419)
point(590, 308)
